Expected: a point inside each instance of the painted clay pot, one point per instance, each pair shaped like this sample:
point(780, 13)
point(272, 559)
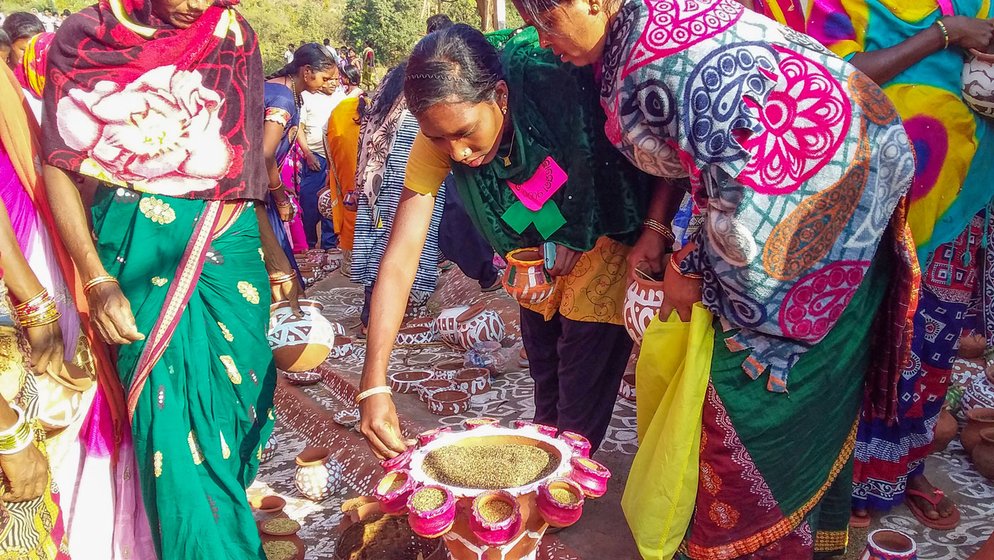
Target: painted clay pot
point(474, 423)
point(945, 431)
point(983, 454)
point(979, 393)
point(448, 402)
point(339, 329)
point(431, 386)
point(526, 279)
point(978, 82)
point(424, 438)
point(977, 420)
point(643, 299)
point(580, 445)
point(317, 473)
point(326, 204)
point(627, 390)
point(447, 325)
point(302, 378)
point(271, 505)
point(447, 370)
point(399, 462)
point(548, 431)
point(560, 501)
point(888, 544)
point(408, 381)
point(495, 517)
point(269, 450)
point(414, 336)
point(473, 380)
point(972, 346)
point(299, 343)
point(431, 520)
point(342, 349)
point(479, 324)
point(590, 475)
point(393, 490)
point(426, 322)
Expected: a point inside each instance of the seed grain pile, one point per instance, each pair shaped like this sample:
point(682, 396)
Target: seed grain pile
point(496, 510)
point(489, 467)
point(564, 496)
point(428, 499)
point(279, 550)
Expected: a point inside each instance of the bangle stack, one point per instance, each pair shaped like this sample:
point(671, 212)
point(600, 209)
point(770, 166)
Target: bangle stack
point(945, 33)
point(374, 391)
point(676, 267)
point(37, 311)
point(661, 229)
point(281, 278)
point(19, 436)
point(103, 279)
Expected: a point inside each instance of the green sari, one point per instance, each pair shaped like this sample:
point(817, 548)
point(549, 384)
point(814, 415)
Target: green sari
point(200, 386)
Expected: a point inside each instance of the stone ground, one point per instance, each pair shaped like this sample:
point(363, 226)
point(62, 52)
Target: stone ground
point(306, 417)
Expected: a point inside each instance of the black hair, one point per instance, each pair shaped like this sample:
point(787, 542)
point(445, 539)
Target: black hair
point(350, 72)
point(314, 55)
point(534, 9)
point(438, 21)
point(289, 45)
point(454, 63)
point(390, 88)
point(327, 42)
point(369, 42)
point(66, 13)
point(22, 25)
point(5, 40)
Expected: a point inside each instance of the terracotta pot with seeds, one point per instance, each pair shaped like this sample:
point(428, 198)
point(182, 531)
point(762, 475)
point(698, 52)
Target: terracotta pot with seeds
point(560, 502)
point(431, 511)
point(496, 517)
point(393, 491)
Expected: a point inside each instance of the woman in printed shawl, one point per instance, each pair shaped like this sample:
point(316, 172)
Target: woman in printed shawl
point(159, 101)
point(914, 49)
point(797, 164)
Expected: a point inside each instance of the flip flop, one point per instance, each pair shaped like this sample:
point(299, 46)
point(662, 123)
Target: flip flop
point(859, 521)
point(940, 524)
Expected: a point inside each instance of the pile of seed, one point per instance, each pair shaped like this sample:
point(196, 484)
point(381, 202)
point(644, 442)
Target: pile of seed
point(564, 496)
point(496, 510)
point(489, 467)
point(428, 499)
point(396, 483)
point(281, 526)
point(279, 550)
point(386, 537)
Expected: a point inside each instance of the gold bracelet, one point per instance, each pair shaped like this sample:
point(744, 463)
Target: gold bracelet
point(676, 266)
point(40, 318)
point(274, 189)
point(945, 33)
point(32, 302)
point(658, 227)
point(277, 279)
point(103, 279)
point(374, 391)
point(17, 437)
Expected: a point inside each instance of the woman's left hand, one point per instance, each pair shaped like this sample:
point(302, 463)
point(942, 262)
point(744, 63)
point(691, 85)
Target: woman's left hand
point(46, 348)
point(566, 259)
point(680, 292)
point(650, 249)
point(288, 291)
point(286, 209)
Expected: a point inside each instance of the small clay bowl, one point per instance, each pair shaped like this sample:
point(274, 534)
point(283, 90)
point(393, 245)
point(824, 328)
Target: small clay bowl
point(413, 336)
point(408, 381)
point(302, 378)
point(448, 402)
point(430, 386)
point(474, 423)
point(473, 380)
point(627, 390)
point(348, 418)
point(271, 505)
point(280, 527)
point(393, 490)
point(343, 347)
point(424, 438)
point(447, 370)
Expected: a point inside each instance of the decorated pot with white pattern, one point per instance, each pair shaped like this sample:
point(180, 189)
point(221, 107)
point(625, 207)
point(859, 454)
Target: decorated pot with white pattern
point(643, 299)
point(978, 82)
point(447, 326)
point(317, 475)
point(326, 205)
point(478, 324)
point(299, 343)
point(888, 544)
point(526, 279)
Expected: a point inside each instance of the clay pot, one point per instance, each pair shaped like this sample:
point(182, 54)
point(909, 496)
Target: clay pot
point(432, 385)
point(486, 526)
point(478, 324)
point(473, 380)
point(299, 343)
point(399, 462)
point(413, 336)
point(408, 381)
point(979, 393)
point(447, 370)
point(977, 420)
point(590, 475)
point(447, 326)
point(526, 279)
point(432, 523)
point(627, 390)
point(945, 431)
point(548, 431)
point(579, 444)
point(474, 423)
point(317, 474)
point(643, 299)
point(978, 82)
point(271, 505)
point(393, 490)
point(426, 322)
point(448, 402)
point(887, 544)
point(983, 454)
point(972, 346)
point(302, 378)
point(559, 513)
point(269, 450)
point(326, 204)
point(424, 438)
point(343, 348)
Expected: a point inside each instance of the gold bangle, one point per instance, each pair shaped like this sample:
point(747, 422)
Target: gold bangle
point(374, 391)
point(17, 437)
point(676, 267)
point(41, 318)
point(660, 228)
point(32, 302)
point(103, 279)
point(945, 33)
point(274, 189)
point(277, 279)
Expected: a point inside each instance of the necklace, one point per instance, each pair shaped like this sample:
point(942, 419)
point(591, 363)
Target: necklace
point(507, 157)
point(293, 89)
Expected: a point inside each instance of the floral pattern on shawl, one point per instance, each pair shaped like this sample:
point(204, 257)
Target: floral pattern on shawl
point(796, 163)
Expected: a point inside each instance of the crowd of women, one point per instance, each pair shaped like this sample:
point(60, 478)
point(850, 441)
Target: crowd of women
point(151, 197)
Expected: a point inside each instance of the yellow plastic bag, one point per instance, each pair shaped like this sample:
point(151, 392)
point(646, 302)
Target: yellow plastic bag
point(671, 379)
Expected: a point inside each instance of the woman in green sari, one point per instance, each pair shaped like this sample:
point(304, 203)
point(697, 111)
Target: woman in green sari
point(177, 275)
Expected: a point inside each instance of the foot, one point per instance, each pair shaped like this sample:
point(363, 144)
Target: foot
point(941, 510)
point(495, 286)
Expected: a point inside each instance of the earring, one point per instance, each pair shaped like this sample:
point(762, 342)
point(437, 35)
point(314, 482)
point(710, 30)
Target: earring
point(466, 152)
point(595, 9)
point(503, 109)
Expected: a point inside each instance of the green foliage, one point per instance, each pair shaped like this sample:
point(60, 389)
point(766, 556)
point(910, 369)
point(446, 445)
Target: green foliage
point(279, 22)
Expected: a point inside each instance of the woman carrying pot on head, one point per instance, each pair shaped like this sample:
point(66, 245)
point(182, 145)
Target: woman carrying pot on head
point(533, 170)
point(313, 65)
point(797, 163)
point(177, 265)
point(915, 51)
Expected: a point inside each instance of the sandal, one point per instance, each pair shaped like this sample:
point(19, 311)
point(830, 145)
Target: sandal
point(940, 524)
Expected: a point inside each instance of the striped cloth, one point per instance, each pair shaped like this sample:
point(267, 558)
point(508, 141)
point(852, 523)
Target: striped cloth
point(371, 241)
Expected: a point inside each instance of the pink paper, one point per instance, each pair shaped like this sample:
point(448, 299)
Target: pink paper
point(535, 192)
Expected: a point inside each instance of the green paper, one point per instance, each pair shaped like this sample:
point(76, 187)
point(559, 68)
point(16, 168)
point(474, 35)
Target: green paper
point(547, 219)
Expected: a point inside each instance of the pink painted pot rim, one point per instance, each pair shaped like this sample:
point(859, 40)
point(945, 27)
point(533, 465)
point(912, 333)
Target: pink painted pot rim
point(312, 456)
point(545, 491)
point(447, 504)
point(503, 496)
point(590, 466)
point(398, 462)
point(388, 480)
